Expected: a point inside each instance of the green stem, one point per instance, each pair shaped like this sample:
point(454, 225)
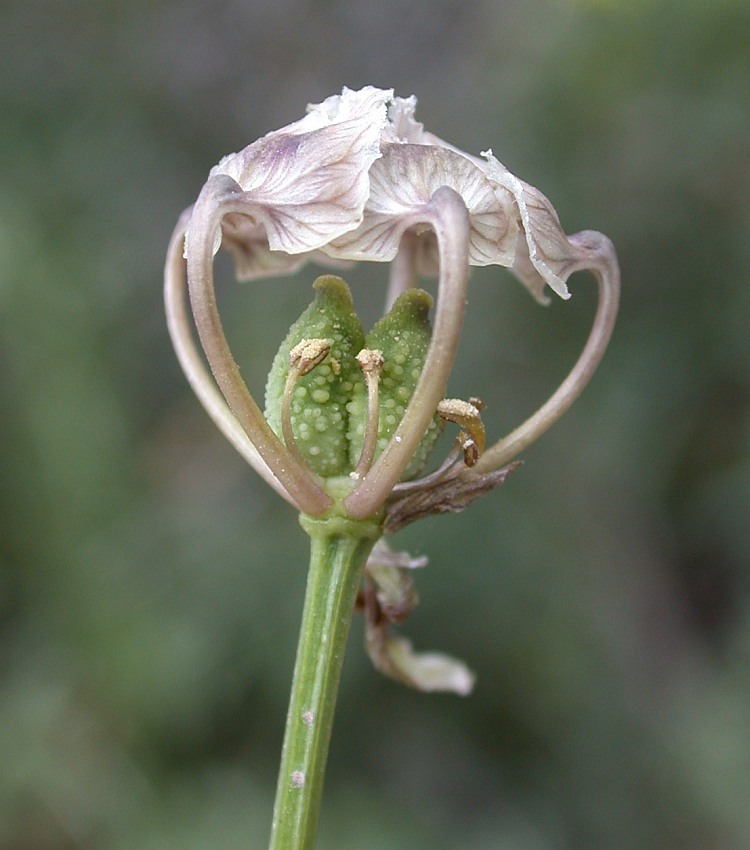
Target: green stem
point(339, 549)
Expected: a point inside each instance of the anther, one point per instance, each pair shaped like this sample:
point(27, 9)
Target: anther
point(303, 358)
point(371, 363)
point(467, 415)
point(308, 354)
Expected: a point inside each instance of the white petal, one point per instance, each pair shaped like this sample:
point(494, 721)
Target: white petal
point(401, 185)
point(253, 259)
point(547, 255)
point(367, 104)
point(402, 126)
point(308, 183)
point(345, 106)
point(252, 256)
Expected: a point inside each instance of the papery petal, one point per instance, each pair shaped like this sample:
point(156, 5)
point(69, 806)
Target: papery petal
point(366, 104)
point(345, 106)
point(402, 127)
point(401, 185)
point(248, 245)
point(258, 260)
point(545, 256)
point(308, 183)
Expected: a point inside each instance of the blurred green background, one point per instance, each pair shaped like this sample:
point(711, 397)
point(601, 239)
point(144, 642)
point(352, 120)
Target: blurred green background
point(151, 586)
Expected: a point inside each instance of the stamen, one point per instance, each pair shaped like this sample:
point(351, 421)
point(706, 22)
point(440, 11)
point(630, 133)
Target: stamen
point(371, 362)
point(303, 358)
point(467, 415)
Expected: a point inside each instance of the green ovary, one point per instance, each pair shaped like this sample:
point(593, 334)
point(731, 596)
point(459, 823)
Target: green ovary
point(318, 410)
point(404, 337)
point(328, 409)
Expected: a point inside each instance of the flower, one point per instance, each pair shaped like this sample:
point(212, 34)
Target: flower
point(358, 178)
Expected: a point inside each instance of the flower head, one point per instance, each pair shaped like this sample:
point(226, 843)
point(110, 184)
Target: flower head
point(360, 179)
point(351, 417)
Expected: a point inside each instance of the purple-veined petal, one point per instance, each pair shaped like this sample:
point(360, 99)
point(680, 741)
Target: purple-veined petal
point(349, 104)
point(402, 183)
point(253, 259)
point(308, 183)
point(402, 127)
point(248, 245)
point(546, 255)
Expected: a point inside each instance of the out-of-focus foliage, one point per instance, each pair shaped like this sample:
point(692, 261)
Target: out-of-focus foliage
point(150, 586)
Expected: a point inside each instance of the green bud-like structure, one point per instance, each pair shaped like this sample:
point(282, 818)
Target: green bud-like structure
point(328, 406)
point(319, 401)
point(403, 337)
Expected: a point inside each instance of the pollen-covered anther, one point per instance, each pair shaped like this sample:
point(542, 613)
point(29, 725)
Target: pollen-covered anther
point(308, 354)
point(467, 415)
point(371, 362)
point(303, 358)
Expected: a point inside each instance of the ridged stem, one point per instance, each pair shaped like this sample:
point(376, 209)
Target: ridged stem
point(339, 549)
